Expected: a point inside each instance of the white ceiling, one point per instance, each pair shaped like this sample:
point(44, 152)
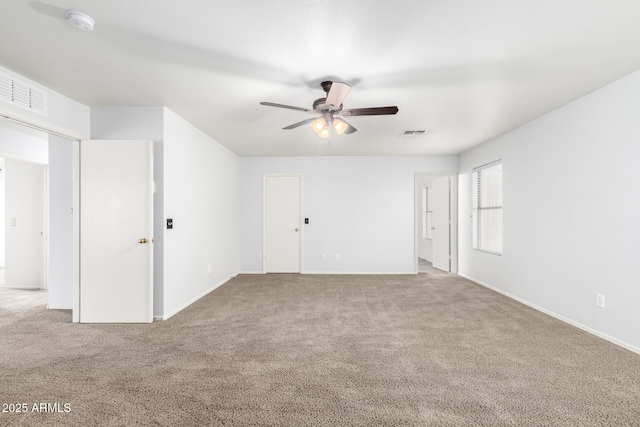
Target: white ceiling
point(467, 70)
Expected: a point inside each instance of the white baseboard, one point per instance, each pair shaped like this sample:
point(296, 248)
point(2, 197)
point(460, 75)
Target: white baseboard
point(49, 307)
point(557, 316)
point(336, 272)
point(187, 304)
point(359, 272)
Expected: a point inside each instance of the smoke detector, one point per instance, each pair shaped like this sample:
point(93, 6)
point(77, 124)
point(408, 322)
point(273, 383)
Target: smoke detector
point(80, 20)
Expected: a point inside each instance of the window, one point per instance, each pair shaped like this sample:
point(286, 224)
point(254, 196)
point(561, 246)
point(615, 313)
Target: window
point(427, 213)
point(487, 208)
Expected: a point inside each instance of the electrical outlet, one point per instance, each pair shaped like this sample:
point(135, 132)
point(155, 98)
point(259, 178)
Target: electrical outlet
point(359, 257)
point(600, 300)
point(337, 256)
point(209, 269)
point(259, 256)
point(323, 256)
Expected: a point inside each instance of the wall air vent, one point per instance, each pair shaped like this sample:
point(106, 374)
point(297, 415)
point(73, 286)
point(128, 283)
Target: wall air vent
point(413, 133)
point(21, 94)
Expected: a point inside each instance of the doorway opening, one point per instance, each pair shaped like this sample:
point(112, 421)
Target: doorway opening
point(435, 222)
point(61, 258)
point(23, 218)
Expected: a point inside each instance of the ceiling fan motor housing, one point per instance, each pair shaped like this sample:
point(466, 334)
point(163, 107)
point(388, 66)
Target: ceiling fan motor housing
point(326, 86)
point(320, 105)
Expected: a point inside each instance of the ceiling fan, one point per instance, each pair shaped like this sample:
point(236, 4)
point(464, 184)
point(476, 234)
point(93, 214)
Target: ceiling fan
point(331, 111)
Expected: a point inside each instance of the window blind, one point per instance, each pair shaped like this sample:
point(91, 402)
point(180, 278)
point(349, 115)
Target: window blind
point(487, 208)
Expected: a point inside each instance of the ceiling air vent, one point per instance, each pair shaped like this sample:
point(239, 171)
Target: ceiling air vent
point(413, 133)
point(21, 94)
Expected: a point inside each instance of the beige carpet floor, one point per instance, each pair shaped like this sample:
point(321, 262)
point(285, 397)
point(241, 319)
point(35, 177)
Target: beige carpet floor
point(291, 350)
point(16, 303)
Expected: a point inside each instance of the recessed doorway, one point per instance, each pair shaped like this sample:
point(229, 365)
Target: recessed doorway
point(435, 222)
point(23, 207)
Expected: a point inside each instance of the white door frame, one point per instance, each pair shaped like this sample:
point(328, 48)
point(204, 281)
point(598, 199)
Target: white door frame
point(76, 232)
point(453, 209)
point(74, 138)
point(264, 217)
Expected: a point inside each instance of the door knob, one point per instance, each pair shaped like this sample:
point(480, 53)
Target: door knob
point(143, 240)
point(296, 228)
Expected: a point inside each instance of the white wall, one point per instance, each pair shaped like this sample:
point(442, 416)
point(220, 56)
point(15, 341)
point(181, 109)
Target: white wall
point(201, 196)
point(145, 123)
point(60, 282)
point(571, 209)
point(355, 205)
point(25, 204)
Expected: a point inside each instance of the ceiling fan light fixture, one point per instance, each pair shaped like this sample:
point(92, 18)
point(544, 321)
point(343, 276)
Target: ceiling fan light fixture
point(340, 126)
point(320, 127)
point(324, 133)
point(318, 124)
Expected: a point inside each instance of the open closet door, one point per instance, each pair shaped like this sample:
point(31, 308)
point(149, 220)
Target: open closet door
point(441, 224)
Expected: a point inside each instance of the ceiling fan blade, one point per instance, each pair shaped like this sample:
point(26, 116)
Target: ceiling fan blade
point(303, 122)
point(337, 93)
point(374, 111)
point(290, 107)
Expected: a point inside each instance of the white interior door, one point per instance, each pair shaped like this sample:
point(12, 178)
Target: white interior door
point(116, 231)
point(282, 224)
point(25, 187)
point(441, 224)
